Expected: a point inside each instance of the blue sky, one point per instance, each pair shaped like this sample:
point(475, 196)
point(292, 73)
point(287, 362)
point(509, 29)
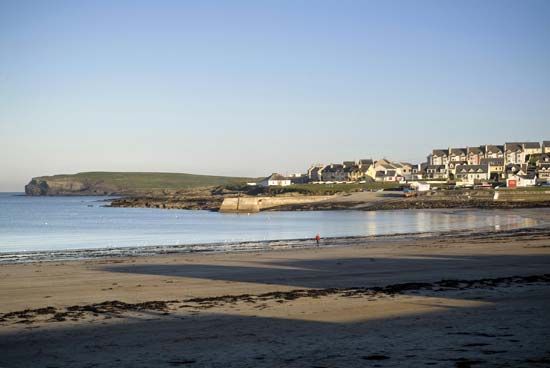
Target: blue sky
point(252, 87)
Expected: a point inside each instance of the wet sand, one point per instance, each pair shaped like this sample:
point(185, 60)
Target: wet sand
point(464, 301)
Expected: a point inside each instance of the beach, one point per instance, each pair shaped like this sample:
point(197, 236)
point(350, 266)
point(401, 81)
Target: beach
point(478, 299)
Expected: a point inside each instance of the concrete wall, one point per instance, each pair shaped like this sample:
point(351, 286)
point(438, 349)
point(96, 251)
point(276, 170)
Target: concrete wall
point(256, 204)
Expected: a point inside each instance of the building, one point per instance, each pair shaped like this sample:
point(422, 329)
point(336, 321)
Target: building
point(439, 157)
point(532, 148)
point(420, 186)
point(543, 172)
point(546, 147)
point(543, 159)
point(520, 181)
point(366, 162)
point(418, 172)
point(452, 168)
point(492, 151)
point(471, 174)
point(298, 178)
point(515, 169)
point(514, 153)
point(314, 172)
point(353, 173)
point(389, 176)
point(458, 155)
point(403, 169)
point(275, 180)
point(496, 167)
point(386, 170)
point(334, 172)
point(475, 154)
point(437, 172)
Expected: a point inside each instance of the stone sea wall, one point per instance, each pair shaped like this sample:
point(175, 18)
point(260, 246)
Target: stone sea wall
point(257, 204)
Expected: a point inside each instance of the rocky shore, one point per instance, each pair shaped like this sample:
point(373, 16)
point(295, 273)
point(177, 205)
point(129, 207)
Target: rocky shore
point(366, 201)
point(210, 203)
point(417, 204)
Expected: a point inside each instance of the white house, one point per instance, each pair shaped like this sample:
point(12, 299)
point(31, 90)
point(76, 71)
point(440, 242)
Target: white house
point(532, 148)
point(275, 180)
point(544, 172)
point(514, 153)
point(458, 154)
point(439, 157)
point(469, 174)
point(492, 151)
point(437, 172)
point(521, 181)
point(420, 186)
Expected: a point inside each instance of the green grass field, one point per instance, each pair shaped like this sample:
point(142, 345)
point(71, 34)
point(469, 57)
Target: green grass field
point(147, 181)
point(327, 189)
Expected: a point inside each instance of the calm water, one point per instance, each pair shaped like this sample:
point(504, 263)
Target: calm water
point(56, 223)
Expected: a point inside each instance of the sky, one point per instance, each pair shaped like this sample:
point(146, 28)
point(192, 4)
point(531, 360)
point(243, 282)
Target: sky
point(252, 87)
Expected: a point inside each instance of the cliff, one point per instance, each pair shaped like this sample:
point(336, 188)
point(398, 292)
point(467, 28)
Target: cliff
point(119, 183)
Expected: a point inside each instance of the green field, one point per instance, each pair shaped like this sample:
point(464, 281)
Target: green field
point(145, 181)
point(327, 189)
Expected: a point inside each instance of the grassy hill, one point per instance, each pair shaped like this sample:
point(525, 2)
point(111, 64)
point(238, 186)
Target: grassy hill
point(108, 183)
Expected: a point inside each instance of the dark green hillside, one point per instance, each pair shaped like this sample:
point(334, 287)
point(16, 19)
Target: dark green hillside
point(108, 183)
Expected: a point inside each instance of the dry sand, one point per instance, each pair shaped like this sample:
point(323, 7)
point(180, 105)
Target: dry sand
point(326, 307)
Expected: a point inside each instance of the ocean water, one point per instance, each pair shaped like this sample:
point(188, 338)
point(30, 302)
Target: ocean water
point(65, 223)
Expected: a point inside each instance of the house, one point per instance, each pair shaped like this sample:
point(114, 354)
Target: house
point(452, 168)
point(458, 154)
point(298, 178)
point(420, 186)
point(383, 165)
point(439, 157)
point(546, 147)
point(366, 162)
point(388, 176)
point(475, 154)
point(470, 174)
point(387, 171)
point(496, 167)
point(418, 171)
point(334, 172)
point(518, 181)
point(543, 159)
point(532, 148)
point(275, 180)
point(514, 153)
point(364, 166)
point(314, 172)
point(353, 171)
point(492, 151)
point(543, 172)
point(515, 169)
point(403, 168)
point(437, 172)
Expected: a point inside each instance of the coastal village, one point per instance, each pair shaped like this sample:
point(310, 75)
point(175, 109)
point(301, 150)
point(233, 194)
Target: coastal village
point(513, 164)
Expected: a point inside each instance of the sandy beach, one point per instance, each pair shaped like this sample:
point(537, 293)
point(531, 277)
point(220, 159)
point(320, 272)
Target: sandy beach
point(463, 301)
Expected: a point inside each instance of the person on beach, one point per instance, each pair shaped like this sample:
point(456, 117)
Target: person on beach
point(317, 239)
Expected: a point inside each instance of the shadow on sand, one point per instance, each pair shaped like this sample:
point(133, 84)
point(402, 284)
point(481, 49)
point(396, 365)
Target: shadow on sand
point(463, 337)
point(350, 272)
point(510, 330)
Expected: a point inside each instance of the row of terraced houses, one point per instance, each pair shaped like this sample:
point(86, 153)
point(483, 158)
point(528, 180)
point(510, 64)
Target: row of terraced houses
point(520, 163)
point(516, 163)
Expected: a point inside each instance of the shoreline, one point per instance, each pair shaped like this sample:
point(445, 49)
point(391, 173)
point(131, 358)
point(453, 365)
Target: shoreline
point(270, 245)
point(460, 300)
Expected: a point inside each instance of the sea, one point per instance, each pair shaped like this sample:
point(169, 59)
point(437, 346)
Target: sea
point(45, 224)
